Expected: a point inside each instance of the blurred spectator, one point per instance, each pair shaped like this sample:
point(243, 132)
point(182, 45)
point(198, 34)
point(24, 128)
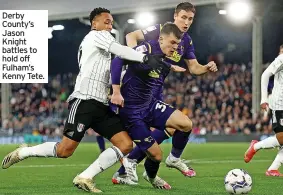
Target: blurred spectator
point(217, 103)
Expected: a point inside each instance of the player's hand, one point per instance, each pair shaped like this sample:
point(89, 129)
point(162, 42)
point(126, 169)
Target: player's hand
point(117, 99)
point(264, 106)
point(175, 68)
point(212, 67)
point(157, 63)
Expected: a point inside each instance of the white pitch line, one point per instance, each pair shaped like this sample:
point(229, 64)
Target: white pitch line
point(221, 161)
point(47, 166)
point(186, 161)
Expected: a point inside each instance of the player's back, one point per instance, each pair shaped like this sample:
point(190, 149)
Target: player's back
point(141, 85)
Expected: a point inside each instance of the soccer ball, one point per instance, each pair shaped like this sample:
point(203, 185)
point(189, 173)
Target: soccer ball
point(238, 181)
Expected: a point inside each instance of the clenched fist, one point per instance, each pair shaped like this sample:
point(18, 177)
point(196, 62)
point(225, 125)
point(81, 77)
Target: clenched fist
point(211, 66)
point(117, 99)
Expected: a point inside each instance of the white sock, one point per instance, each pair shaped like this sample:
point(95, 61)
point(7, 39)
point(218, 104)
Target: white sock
point(47, 149)
point(267, 143)
point(173, 158)
point(105, 160)
point(277, 161)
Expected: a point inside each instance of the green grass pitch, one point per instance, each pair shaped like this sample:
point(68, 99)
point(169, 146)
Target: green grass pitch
point(211, 161)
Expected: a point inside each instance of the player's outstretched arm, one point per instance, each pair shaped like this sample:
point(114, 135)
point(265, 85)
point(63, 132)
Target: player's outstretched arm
point(197, 69)
point(132, 38)
point(104, 40)
point(156, 62)
point(126, 52)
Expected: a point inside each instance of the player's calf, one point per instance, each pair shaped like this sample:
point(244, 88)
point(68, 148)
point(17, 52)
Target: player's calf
point(65, 148)
point(154, 152)
point(279, 137)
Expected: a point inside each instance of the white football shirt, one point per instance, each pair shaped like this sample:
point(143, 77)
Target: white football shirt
point(277, 91)
point(94, 61)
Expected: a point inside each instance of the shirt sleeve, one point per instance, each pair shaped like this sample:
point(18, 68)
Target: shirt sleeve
point(151, 32)
point(264, 83)
point(117, 64)
point(277, 64)
point(190, 50)
point(116, 70)
point(103, 39)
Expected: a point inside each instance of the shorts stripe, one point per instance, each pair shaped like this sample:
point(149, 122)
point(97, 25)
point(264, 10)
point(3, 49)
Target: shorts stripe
point(73, 110)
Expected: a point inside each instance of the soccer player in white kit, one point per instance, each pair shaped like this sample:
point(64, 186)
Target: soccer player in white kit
point(276, 106)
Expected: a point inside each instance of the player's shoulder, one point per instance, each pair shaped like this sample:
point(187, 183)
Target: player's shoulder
point(104, 33)
point(280, 57)
point(155, 27)
point(187, 38)
point(143, 47)
point(101, 32)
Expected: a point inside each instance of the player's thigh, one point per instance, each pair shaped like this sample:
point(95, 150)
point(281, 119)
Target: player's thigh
point(159, 115)
point(112, 128)
point(109, 125)
point(79, 119)
point(179, 121)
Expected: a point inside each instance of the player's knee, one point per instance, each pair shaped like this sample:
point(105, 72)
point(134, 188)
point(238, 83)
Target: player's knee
point(156, 155)
point(64, 152)
point(171, 131)
point(186, 124)
point(126, 146)
point(123, 142)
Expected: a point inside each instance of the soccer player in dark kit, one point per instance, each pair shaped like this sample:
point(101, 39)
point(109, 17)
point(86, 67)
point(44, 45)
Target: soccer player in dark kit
point(143, 108)
point(183, 56)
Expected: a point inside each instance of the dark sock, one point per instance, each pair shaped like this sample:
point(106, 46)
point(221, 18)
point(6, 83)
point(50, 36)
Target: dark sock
point(138, 155)
point(179, 142)
point(151, 167)
point(101, 143)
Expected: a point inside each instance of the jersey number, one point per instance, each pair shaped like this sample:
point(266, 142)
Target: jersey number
point(160, 106)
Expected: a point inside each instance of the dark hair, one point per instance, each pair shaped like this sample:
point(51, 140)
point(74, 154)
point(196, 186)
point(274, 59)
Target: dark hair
point(169, 28)
point(97, 11)
point(187, 6)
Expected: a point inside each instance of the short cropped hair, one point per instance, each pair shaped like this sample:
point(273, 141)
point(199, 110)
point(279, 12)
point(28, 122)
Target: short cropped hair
point(97, 11)
point(169, 28)
point(187, 6)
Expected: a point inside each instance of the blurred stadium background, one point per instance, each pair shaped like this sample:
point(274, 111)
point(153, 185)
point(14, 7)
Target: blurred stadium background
point(224, 107)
